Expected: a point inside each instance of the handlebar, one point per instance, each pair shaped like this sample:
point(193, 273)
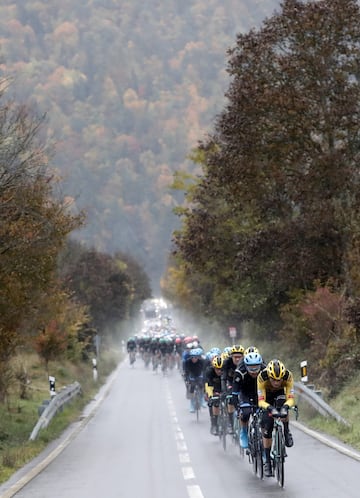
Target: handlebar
point(277, 413)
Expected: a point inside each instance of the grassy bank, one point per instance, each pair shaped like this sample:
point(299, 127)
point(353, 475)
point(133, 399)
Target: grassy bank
point(346, 404)
point(19, 416)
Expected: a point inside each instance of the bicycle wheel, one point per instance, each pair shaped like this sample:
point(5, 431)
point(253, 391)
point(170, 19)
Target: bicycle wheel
point(250, 443)
point(132, 357)
point(254, 458)
point(223, 426)
point(197, 402)
point(236, 436)
point(224, 431)
point(279, 457)
point(259, 453)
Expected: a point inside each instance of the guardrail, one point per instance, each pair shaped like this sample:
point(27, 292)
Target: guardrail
point(55, 404)
point(318, 403)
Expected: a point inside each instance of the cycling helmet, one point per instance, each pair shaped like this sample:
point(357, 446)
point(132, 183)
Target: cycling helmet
point(216, 351)
point(224, 355)
point(253, 362)
point(227, 349)
point(251, 349)
point(275, 369)
point(178, 340)
point(195, 353)
point(237, 349)
point(217, 362)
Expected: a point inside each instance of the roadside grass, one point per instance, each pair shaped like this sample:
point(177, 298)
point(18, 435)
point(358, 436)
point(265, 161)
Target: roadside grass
point(346, 404)
point(19, 416)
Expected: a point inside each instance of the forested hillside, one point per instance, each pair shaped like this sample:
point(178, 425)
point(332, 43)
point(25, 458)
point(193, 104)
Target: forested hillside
point(129, 87)
point(271, 230)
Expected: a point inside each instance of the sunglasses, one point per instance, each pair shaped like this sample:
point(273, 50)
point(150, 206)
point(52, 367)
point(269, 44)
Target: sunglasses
point(254, 368)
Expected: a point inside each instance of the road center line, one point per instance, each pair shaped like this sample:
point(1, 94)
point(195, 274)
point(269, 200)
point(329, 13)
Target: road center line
point(184, 457)
point(188, 473)
point(194, 491)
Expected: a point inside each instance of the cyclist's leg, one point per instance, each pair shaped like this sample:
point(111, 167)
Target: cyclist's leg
point(231, 414)
point(191, 396)
point(289, 441)
point(244, 420)
point(267, 424)
point(215, 411)
point(202, 394)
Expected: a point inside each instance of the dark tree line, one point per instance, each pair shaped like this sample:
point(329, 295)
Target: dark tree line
point(50, 289)
point(275, 213)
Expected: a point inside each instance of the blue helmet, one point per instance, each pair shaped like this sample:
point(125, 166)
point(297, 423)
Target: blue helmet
point(253, 362)
point(215, 351)
point(194, 353)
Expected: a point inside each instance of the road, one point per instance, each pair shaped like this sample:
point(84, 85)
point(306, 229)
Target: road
point(142, 441)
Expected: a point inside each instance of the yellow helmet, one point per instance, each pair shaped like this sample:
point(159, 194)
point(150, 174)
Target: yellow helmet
point(224, 355)
point(217, 361)
point(237, 349)
point(276, 369)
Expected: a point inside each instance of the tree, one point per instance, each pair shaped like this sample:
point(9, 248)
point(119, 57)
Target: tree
point(33, 224)
point(97, 282)
point(281, 168)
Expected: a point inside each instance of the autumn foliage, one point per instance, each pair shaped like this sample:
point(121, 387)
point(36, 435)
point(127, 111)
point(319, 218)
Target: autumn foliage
point(37, 307)
point(276, 211)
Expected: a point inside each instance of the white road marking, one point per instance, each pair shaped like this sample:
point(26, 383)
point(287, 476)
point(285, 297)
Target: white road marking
point(181, 446)
point(194, 492)
point(184, 457)
point(188, 473)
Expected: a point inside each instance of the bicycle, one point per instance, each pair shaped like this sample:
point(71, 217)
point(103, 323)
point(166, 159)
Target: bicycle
point(223, 419)
point(164, 364)
point(146, 358)
point(238, 426)
point(197, 400)
point(255, 444)
point(278, 448)
point(132, 357)
point(155, 361)
point(194, 392)
point(236, 433)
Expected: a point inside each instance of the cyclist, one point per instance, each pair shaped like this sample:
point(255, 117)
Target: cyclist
point(179, 349)
point(212, 390)
point(146, 350)
point(245, 390)
point(210, 355)
point(164, 351)
point(251, 349)
point(131, 347)
point(194, 374)
point(275, 380)
point(227, 378)
point(155, 353)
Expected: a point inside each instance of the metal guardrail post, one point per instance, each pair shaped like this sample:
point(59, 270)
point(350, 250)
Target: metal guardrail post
point(318, 403)
point(56, 402)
